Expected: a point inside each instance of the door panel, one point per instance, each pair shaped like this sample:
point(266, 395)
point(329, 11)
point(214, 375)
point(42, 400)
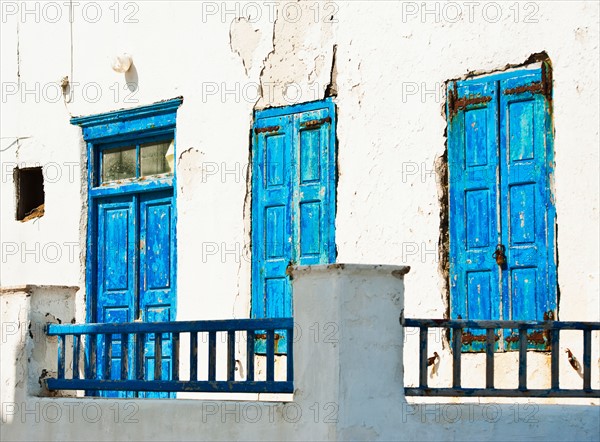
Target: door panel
point(117, 264)
point(157, 272)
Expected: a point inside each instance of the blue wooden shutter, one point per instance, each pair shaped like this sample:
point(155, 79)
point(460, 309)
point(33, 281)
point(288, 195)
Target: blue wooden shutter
point(500, 145)
point(293, 200)
point(527, 209)
point(314, 203)
point(473, 171)
point(271, 217)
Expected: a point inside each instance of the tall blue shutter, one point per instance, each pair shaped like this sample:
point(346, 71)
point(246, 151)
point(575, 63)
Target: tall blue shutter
point(271, 227)
point(526, 204)
point(293, 201)
point(473, 170)
point(314, 203)
point(500, 162)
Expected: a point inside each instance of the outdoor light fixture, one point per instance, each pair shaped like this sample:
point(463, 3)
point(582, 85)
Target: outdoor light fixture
point(121, 63)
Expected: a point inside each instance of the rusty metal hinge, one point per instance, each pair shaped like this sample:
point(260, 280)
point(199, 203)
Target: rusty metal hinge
point(537, 87)
point(259, 130)
point(314, 123)
point(455, 103)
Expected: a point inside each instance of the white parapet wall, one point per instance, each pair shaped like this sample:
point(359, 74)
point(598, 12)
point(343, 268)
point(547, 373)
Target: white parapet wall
point(348, 364)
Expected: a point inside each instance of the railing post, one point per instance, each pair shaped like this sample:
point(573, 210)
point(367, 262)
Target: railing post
point(124, 355)
point(522, 358)
point(76, 347)
point(175, 357)
point(212, 355)
point(92, 362)
point(193, 356)
point(157, 356)
point(423, 357)
point(140, 367)
point(107, 357)
point(456, 356)
point(554, 359)
point(587, 359)
point(489, 357)
point(231, 355)
point(270, 355)
point(61, 356)
point(250, 355)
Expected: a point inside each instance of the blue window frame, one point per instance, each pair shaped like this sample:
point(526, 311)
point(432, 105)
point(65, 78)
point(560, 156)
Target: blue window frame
point(293, 200)
point(502, 215)
point(131, 235)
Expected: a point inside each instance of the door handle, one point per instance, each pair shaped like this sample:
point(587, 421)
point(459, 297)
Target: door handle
point(499, 255)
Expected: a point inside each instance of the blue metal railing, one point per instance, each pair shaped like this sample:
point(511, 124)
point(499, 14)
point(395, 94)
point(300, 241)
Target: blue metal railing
point(458, 326)
point(99, 372)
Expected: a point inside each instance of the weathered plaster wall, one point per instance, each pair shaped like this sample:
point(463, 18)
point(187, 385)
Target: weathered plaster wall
point(392, 59)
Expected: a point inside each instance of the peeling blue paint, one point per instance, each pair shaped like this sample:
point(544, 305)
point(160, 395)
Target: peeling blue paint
point(293, 201)
point(500, 152)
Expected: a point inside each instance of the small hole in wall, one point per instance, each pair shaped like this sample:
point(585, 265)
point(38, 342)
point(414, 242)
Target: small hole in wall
point(29, 183)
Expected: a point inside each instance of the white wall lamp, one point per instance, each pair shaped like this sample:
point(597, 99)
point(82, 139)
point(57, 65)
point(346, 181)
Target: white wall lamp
point(121, 63)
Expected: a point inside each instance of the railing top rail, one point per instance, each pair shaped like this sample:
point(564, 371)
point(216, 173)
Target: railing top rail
point(493, 324)
point(172, 327)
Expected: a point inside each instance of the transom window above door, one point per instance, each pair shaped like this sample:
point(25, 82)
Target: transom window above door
point(136, 160)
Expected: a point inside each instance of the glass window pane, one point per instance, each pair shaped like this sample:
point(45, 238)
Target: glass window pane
point(153, 160)
point(118, 164)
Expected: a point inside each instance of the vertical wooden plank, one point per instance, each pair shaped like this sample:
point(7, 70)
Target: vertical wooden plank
point(270, 355)
point(250, 355)
point(522, 358)
point(554, 359)
point(290, 354)
point(140, 367)
point(124, 356)
point(61, 356)
point(212, 355)
point(587, 359)
point(157, 356)
point(422, 357)
point(175, 357)
point(231, 355)
point(107, 357)
point(489, 357)
point(456, 355)
point(194, 356)
point(76, 348)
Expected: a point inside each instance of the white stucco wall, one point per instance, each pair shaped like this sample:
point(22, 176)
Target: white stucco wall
point(392, 59)
point(348, 386)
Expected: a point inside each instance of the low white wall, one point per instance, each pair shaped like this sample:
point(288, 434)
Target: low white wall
point(27, 354)
point(349, 386)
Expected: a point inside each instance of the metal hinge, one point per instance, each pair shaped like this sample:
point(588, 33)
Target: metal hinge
point(259, 130)
point(315, 123)
point(455, 103)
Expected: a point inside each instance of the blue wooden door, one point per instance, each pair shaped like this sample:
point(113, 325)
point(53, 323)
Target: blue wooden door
point(502, 263)
point(135, 273)
point(116, 275)
point(157, 255)
point(293, 201)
